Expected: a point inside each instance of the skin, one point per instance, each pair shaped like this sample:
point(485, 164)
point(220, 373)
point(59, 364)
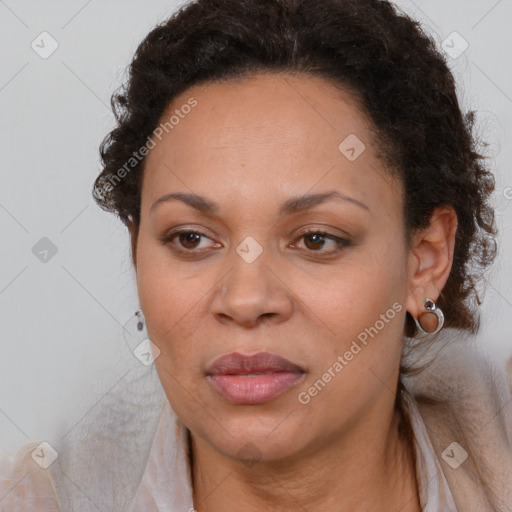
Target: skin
point(250, 145)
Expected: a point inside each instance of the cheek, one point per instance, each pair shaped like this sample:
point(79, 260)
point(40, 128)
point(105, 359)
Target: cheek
point(352, 296)
point(171, 307)
point(366, 315)
point(364, 308)
point(170, 303)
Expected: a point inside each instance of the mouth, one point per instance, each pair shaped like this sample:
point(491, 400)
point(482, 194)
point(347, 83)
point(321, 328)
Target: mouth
point(255, 379)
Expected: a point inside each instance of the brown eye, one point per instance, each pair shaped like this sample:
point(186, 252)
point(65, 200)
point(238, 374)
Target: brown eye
point(189, 239)
point(315, 241)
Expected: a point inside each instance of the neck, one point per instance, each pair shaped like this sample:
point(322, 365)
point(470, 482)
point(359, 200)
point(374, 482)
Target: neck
point(365, 469)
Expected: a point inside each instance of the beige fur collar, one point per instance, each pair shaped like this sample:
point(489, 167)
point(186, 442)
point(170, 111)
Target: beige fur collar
point(465, 397)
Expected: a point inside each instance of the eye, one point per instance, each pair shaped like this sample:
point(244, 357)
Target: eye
point(316, 240)
point(187, 240)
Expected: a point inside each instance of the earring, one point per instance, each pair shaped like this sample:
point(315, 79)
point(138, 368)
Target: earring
point(431, 321)
point(140, 319)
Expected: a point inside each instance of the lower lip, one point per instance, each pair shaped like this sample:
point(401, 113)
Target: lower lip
point(254, 389)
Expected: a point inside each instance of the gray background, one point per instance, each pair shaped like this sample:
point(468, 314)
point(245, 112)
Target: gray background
point(61, 329)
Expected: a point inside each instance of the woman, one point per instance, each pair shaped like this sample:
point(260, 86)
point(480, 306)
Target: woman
point(307, 210)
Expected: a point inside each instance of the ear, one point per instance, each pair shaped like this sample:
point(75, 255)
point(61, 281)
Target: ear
point(430, 259)
point(134, 232)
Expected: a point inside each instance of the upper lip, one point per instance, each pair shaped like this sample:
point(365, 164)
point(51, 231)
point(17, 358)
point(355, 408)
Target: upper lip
point(262, 362)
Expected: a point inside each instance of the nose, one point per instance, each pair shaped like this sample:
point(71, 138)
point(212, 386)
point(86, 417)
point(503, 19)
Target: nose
point(251, 293)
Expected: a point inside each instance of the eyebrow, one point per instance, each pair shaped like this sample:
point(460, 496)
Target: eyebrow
point(294, 205)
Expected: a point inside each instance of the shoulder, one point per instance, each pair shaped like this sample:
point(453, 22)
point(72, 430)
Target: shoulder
point(465, 401)
point(25, 485)
point(459, 370)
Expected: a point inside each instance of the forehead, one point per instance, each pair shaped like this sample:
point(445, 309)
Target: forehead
point(270, 134)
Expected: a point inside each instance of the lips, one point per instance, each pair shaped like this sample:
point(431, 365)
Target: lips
point(253, 379)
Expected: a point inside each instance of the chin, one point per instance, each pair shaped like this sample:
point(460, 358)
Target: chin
point(257, 439)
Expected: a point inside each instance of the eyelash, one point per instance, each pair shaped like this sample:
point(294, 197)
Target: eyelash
point(342, 242)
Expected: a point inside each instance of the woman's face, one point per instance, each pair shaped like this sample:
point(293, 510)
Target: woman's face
point(258, 164)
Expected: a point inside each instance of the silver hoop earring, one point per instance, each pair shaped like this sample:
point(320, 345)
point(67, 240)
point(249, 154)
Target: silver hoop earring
point(425, 319)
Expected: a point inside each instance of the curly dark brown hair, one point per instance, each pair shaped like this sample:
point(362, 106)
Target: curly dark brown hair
point(367, 47)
